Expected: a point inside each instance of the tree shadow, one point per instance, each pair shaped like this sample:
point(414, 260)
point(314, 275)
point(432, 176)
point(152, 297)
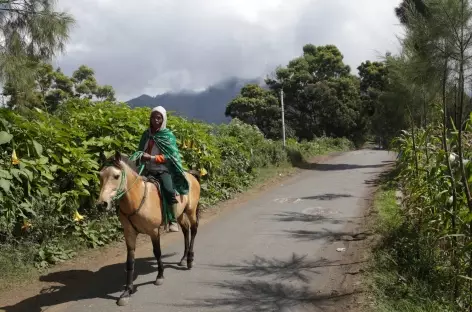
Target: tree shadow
point(387, 176)
point(327, 196)
point(337, 167)
point(257, 295)
point(83, 284)
point(295, 268)
point(331, 236)
point(373, 182)
point(309, 218)
point(261, 296)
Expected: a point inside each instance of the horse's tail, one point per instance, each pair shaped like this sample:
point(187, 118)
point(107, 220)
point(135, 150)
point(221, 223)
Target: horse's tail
point(197, 176)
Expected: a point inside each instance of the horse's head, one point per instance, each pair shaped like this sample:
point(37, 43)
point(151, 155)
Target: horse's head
point(111, 179)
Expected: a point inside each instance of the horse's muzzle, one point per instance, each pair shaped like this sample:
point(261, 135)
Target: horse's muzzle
point(103, 205)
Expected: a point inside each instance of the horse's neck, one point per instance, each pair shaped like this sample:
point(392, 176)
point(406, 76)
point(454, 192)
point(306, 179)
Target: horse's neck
point(134, 185)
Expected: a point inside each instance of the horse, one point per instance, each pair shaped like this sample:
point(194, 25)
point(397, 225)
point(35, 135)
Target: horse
point(141, 212)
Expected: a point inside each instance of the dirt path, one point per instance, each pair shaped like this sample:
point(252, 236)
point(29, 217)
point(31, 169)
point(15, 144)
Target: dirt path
point(279, 245)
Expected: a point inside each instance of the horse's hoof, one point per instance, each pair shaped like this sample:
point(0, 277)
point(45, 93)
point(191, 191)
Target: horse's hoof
point(123, 301)
point(189, 265)
point(159, 281)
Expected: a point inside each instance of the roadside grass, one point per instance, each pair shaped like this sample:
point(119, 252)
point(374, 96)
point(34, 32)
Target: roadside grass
point(396, 280)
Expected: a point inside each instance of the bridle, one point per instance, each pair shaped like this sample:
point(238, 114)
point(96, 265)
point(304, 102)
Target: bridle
point(121, 191)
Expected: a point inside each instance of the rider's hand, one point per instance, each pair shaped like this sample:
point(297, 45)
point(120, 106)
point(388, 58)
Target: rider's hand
point(146, 157)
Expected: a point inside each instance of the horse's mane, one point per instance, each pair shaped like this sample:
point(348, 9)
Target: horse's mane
point(124, 158)
point(130, 163)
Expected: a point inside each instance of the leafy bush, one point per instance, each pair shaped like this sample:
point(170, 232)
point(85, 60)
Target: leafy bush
point(49, 168)
point(436, 216)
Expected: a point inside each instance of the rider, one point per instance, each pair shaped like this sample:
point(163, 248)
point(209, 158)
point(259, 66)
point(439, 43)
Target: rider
point(162, 161)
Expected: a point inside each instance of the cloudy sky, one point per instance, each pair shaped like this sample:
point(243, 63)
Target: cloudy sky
point(153, 46)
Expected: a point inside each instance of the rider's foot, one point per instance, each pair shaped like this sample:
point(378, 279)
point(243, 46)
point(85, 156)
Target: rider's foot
point(173, 227)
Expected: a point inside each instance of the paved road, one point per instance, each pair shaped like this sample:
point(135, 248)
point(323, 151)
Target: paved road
point(271, 254)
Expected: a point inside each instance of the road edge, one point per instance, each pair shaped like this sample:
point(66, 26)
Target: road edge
point(359, 252)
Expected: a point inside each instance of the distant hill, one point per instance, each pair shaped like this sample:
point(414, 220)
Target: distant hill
point(208, 105)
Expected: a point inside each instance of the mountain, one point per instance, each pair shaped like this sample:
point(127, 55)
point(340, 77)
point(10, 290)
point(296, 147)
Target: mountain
point(208, 105)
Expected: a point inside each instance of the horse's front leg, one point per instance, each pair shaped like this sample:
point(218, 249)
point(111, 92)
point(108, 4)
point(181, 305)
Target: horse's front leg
point(130, 237)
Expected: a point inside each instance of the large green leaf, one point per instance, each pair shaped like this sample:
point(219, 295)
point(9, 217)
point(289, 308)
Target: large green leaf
point(5, 174)
point(16, 173)
point(38, 147)
point(47, 175)
point(43, 160)
point(5, 137)
point(5, 185)
point(28, 174)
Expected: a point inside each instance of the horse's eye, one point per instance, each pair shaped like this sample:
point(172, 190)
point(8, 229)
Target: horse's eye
point(117, 176)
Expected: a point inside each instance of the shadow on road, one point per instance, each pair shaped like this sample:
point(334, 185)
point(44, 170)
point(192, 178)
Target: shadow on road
point(259, 295)
point(297, 160)
point(295, 268)
point(336, 167)
point(309, 218)
point(383, 177)
point(331, 236)
point(83, 284)
point(327, 196)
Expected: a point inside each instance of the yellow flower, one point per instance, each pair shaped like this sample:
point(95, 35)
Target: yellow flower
point(77, 216)
point(14, 158)
point(26, 225)
point(203, 172)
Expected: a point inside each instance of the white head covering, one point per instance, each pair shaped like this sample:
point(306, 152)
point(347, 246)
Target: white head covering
point(163, 112)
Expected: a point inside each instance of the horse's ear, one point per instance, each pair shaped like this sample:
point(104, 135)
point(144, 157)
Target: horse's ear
point(102, 158)
point(117, 157)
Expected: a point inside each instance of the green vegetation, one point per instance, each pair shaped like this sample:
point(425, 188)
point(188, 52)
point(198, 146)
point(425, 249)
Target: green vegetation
point(321, 98)
point(424, 262)
point(397, 279)
point(32, 32)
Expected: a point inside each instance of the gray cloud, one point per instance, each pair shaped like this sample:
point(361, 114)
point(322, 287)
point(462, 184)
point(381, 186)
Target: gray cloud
point(189, 44)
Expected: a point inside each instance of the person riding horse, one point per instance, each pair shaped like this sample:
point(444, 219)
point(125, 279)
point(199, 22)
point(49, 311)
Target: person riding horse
point(162, 162)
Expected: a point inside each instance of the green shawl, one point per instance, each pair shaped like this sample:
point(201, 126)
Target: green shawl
point(165, 140)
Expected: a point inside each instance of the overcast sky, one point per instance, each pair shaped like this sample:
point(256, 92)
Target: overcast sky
point(153, 46)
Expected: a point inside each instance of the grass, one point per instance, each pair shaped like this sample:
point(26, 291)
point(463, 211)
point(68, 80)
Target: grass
point(397, 280)
point(18, 261)
point(17, 265)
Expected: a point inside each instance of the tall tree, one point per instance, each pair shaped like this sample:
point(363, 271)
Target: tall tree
point(408, 5)
point(32, 31)
point(52, 88)
point(373, 82)
point(321, 96)
point(258, 107)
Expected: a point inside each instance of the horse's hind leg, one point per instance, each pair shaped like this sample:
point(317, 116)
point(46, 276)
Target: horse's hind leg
point(130, 237)
point(185, 231)
point(156, 247)
point(193, 228)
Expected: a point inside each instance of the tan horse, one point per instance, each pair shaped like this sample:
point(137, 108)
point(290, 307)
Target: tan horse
point(140, 211)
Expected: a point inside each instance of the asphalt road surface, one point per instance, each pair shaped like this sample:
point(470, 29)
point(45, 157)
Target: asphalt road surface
point(277, 252)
